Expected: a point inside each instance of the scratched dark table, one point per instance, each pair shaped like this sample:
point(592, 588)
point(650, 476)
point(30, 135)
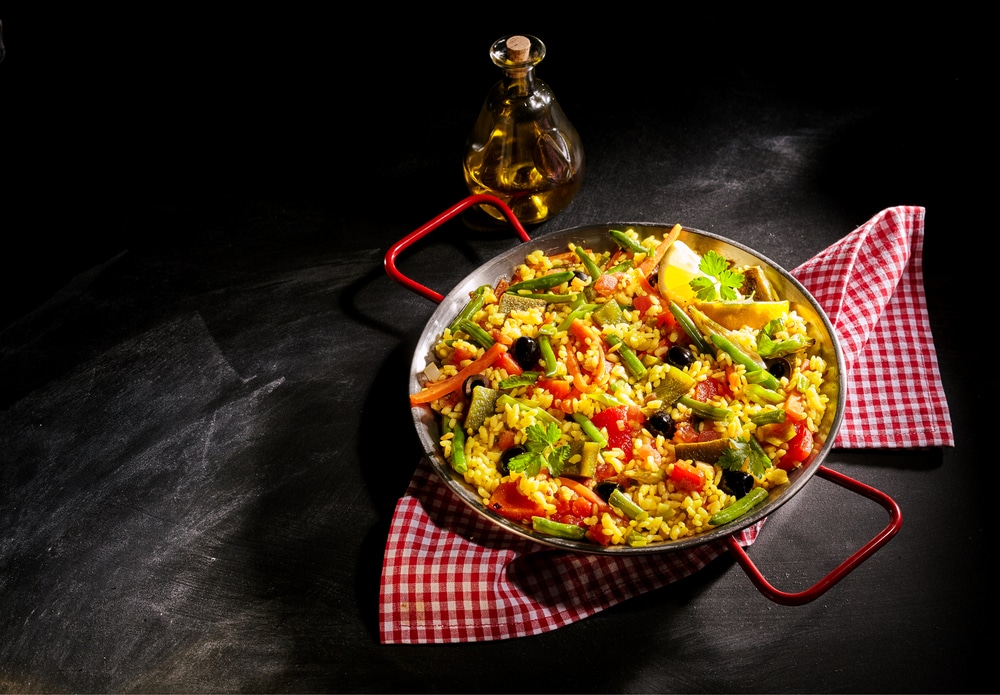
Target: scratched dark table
point(203, 364)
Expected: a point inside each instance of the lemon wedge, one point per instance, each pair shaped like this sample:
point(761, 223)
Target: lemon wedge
point(678, 267)
point(736, 315)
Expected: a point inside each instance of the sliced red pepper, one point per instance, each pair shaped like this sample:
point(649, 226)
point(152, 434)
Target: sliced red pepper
point(509, 502)
point(506, 362)
point(799, 447)
point(687, 477)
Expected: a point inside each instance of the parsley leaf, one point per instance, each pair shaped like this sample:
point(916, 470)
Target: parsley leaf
point(718, 279)
point(541, 440)
point(745, 450)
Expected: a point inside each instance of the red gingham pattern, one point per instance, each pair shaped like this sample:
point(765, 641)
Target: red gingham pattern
point(450, 576)
point(871, 286)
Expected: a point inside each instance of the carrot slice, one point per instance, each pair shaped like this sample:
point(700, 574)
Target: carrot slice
point(651, 262)
point(453, 383)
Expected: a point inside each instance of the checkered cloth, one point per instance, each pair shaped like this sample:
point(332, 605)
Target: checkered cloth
point(451, 576)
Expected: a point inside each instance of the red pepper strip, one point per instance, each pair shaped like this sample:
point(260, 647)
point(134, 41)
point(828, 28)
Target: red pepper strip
point(687, 477)
point(509, 502)
point(653, 261)
point(573, 367)
point(453, 383)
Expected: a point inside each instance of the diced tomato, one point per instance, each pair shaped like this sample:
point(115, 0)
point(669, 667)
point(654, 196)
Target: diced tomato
point(509, 502)
point(687, 477)
point(642, 303)
point(506, 362)
point(710, 388)
point(619, 423)
point(505, 440)
point(667, 322)
point(684, 431)
point(461, 353)
point(606, 284)
point(799, 447)
point(595, 533)
point(559, 388)
point(795, 407)
point(648, 452)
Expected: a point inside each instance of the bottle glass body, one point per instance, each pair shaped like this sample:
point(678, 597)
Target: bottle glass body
point(523, 149)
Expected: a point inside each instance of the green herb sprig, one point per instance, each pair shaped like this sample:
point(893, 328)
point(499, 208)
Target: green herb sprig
point(541, 450)
point(745, 450)
point(714, 265)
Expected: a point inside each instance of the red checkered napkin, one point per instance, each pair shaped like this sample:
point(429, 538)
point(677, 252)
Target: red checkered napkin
point(451, 576)
point(871, 285)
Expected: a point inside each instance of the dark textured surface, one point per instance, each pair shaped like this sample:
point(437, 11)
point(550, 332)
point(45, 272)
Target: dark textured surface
point(203, 421)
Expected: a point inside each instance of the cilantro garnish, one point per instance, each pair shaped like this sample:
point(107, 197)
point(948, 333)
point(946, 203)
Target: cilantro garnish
point(745, 450)
point(725, 282)
point(541, 451)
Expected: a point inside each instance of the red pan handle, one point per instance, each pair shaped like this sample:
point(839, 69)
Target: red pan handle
point(394, 250)
point(842, 570)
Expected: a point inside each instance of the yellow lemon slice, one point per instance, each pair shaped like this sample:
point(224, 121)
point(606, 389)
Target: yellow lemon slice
point(736, 315)
point(677, 268)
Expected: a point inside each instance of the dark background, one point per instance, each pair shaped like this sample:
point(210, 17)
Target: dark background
point(195, 206)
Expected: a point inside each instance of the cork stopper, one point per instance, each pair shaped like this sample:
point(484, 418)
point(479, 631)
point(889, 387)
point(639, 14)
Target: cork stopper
point(518, 51)
point(518, 47)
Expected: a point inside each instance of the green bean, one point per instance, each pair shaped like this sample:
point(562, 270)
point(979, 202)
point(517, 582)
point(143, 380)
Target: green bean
point(556, 528)
point(548, 356)
point(769, 417)
point(739, 507)
point(603, 398)
point(542, 282)
point(706, 410)
point(761, 376)
point(475, 304)
point(627, 242)
point(632, 362)
point(590, 429)
point(476, 333)
point(688, 325)
point(578, 313)
point(627, 506)
point(588, 263)
point(621, 267)
point(759, 394)
point(458, 461)
point(550, 297)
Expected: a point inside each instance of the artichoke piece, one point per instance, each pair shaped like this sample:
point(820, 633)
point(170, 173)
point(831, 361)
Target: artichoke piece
point(674, 384)
point(756, 285)
point(707, 452)
point(481, 406)
point(511, 302)
point(586, 466)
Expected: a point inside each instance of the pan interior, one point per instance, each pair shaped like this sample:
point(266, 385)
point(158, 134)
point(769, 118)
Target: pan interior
point(597, 238)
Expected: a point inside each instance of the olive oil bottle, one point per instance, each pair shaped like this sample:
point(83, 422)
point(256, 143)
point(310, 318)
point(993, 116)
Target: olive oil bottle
point(523, 149)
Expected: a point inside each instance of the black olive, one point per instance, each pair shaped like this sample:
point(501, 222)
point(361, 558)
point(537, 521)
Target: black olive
point(582, 276)
point(606, 487)
point(779, 367)
point(662, 423)
point(737, 483)
point(679, 356)
point(506, 456)
point(526, 352)
point(472, 382)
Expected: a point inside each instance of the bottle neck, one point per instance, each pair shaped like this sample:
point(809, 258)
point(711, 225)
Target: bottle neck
point(519, 82)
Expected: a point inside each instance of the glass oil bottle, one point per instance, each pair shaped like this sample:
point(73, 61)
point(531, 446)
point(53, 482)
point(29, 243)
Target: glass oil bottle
point(523, 149)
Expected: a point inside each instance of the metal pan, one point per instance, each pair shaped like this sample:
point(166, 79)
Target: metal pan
point(596, 237)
